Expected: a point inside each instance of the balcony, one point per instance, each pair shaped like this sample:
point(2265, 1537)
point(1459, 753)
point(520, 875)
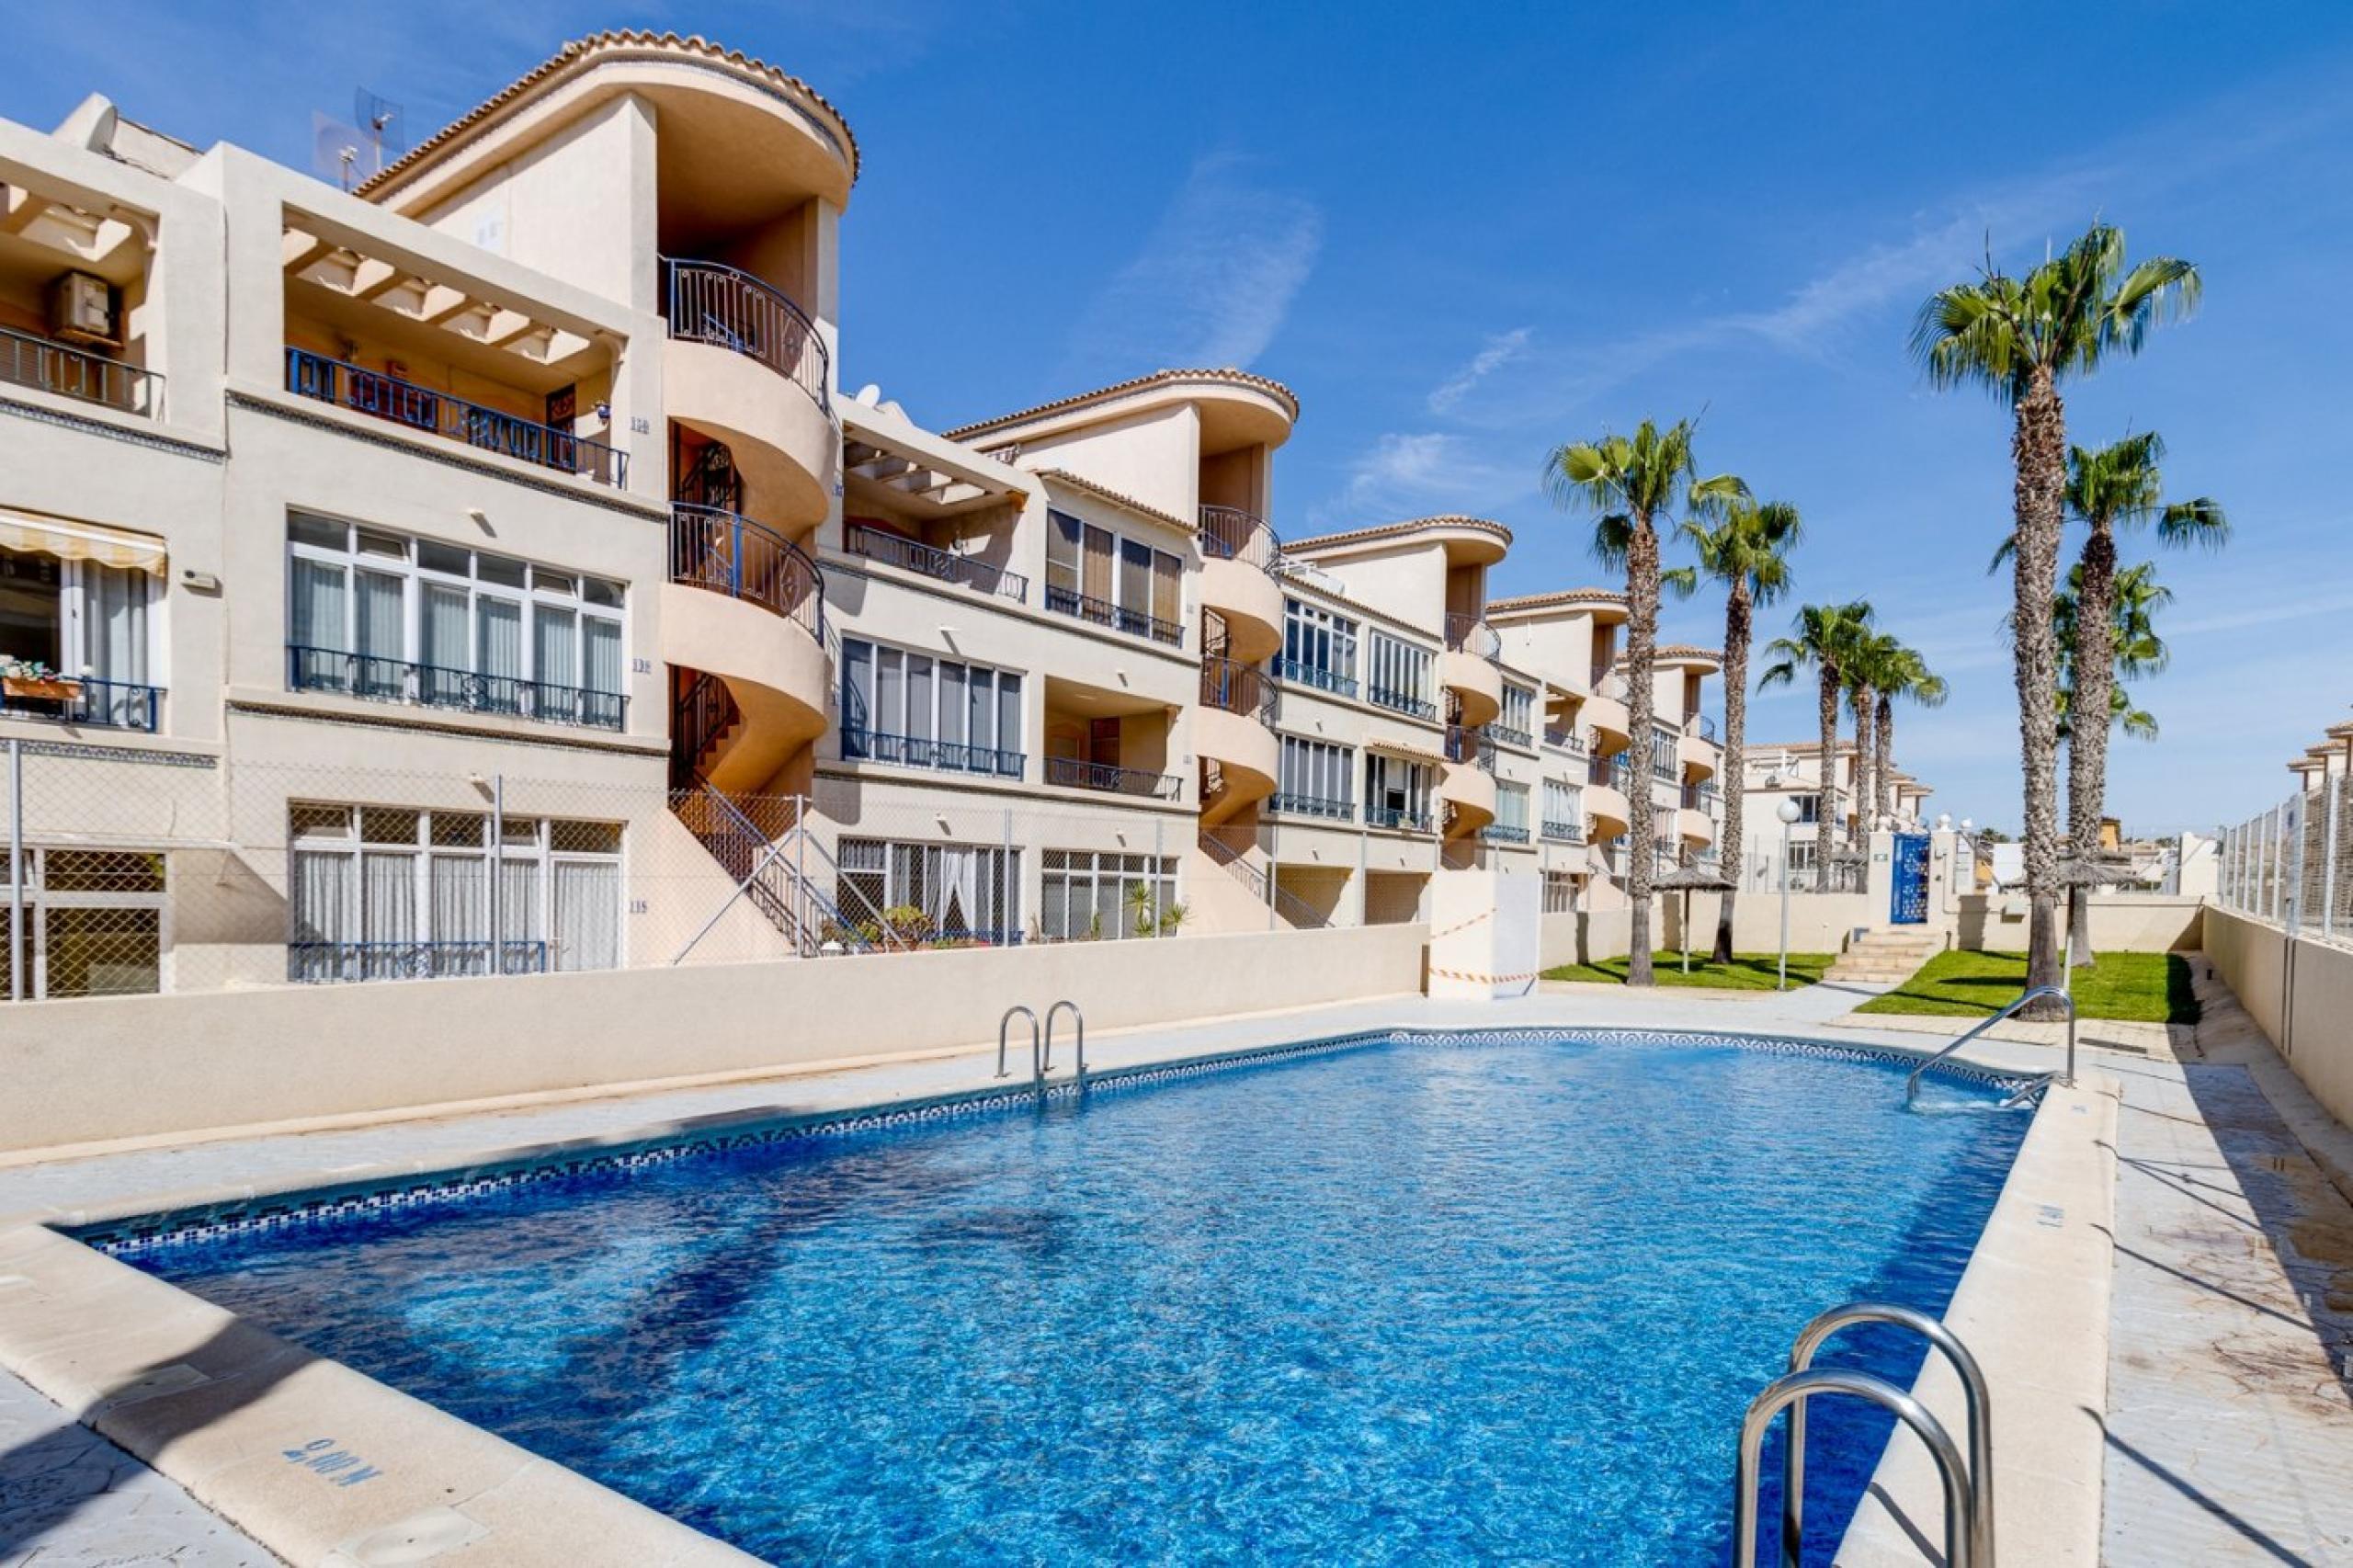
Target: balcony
point(1238, 556)
point(1229, 533)
point(1467, 668)
point(431, 413)
point(1503, 832)
point(1465, 743)
point(60, 368)
point(1077, 773)
point(726, 553)
point(1401, 702)
point(1097, 612)
point(83, 699)
point(713, 304)
point(1232, 687)
point(1292, 805)
point(1469, 634)
point(1401, 820)
point(862, 744)
point(912, 555)
point(1506, 735)
point(1700, 724)
point(1291, 672)
point(1565, 741)
point(1699, 798)
point(374, 680)
point(1565, 831)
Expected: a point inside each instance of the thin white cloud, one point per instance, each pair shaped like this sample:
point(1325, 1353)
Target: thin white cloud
point(1405, 474)
point(1500, 349)
point(1212, 282)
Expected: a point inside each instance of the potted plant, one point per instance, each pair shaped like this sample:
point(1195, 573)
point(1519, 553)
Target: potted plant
point(30, 678)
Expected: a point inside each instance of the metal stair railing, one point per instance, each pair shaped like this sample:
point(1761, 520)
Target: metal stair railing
point(2040, 993)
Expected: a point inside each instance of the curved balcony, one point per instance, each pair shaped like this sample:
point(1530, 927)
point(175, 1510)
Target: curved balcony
point(1232, 729)
point(747, 607)
point(1698, 754)
point(1607, 781)
point(1238, 556)
point(1606, 717)
point(1694, 827)
point(1467, 668)
point(1468, 792)
point(745, 365)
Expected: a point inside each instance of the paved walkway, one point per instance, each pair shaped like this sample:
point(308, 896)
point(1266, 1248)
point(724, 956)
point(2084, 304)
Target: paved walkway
point(2231, 1435)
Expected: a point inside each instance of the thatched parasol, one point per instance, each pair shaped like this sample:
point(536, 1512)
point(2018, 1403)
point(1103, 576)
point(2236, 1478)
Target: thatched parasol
point(1684, 880)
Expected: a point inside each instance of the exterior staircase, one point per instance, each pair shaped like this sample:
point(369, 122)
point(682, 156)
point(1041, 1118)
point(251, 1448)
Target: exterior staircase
point(1887, 955)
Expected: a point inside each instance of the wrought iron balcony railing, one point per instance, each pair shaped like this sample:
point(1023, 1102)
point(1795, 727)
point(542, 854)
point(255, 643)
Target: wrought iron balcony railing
point(1099, 612)
point(913, 555)
point(1401, 701)
point(379, 679)
point(1504, 833)
point(85, 700)
point(1470, 745)
point(729, 553)
point(1291, 672)
point(1564, 832)
point(1229, 533)
point(862, 744)
point(1290, 804)
point(406, 403)
point(1469, 634)
point(1077, 773)
point(1567, 741)
point(1510, 736)
point(69, 371)
point(713, 303)
point(1391, 816)
point(1238, 689)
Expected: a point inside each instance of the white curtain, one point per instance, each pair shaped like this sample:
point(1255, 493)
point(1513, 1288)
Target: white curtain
point(555, 654)
point(321, 893)
point(388, 912)
point(518, 915)
point(114, 627)
point(587, 896)
point(444, 636)
point(318, 622)
point(460, 888)
point(498, 637)
point(601, 666)
point(383, 636)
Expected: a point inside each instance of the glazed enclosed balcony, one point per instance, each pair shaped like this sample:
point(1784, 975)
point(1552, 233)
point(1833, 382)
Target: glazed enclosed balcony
point(745, 366)
point(1233, 733)
point(426, 410)
point(747, 607)
point(1468, 667)
point(1239, 553)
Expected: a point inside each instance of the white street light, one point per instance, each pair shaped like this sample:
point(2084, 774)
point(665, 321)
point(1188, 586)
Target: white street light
point(1787, 811)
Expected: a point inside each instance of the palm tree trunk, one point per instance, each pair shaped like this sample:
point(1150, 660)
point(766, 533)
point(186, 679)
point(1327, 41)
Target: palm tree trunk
point(1858, 832)
point(1642, 651)
point(2038, 451)
point(1737, 633)
point(1886, 717)
point(2095, 669)
point(1826, 803)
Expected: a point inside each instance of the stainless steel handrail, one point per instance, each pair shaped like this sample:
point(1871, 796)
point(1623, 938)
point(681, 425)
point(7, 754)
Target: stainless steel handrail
point(1912, 1083)
point(1798, 1387)
point(1977, 1397)
point(1078, 1039)
point(1037, 1063)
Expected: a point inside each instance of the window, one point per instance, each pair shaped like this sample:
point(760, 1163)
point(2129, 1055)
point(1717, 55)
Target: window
point(1563, 811)
point(1086, 895)
point(94, 923)
point(966, 892)
point(1099, 576)
point(87, 625)
point(1396, 792)
point(388, 893)
point(920, 710)
point(1809, 807)
point(1560, 893)
point(381, 615)
point(1517, 725)
point(1315, 779)
point(1319, 648)
point(1399, 676)
point(1663, 758)
point(1510, 825)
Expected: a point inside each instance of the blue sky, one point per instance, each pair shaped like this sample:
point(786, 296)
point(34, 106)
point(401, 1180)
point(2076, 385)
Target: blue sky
point(1466, 235)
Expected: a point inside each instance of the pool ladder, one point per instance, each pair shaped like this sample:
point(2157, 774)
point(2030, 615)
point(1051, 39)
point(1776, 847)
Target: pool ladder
point(1968, 1485)
point(1042, 1042)
point(2039, 993)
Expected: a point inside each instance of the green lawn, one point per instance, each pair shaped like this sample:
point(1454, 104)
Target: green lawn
point(1747, 971)
point(2150, 988)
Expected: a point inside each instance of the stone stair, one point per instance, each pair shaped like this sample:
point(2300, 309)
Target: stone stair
point(1886, 955)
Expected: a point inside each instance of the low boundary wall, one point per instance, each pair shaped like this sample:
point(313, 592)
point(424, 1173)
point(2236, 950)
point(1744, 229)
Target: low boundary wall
point(2299, 994)
point(107, 1069)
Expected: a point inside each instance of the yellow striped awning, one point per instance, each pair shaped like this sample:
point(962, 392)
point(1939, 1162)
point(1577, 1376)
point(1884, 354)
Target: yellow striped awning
point(37, 533)
point(1398, 749)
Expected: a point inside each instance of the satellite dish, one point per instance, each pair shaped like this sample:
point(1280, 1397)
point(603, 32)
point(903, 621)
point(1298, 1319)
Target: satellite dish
point(385, 121)
point(341, 154)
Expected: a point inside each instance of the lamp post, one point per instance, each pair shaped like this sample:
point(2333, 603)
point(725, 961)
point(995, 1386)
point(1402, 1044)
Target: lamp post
point(1787, 811)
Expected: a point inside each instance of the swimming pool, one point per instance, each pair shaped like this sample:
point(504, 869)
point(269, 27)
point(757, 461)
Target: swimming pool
point(1500, 1297)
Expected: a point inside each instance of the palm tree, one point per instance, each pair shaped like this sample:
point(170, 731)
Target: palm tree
point(2125, 644)
point(1632, 485)
point(2020, 338)
point(1825, 636)
point(1863, 667)
point(1746, 547)
point(1907, 676)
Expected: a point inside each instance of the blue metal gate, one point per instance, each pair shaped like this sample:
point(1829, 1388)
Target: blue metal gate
point(1908, 901)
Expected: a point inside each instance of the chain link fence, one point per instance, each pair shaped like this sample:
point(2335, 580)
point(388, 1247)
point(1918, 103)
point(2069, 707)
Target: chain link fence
point(2292, 865)
point(144, 871)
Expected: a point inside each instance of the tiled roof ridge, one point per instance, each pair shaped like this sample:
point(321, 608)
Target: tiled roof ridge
point(1396, 530)
point(580, 48)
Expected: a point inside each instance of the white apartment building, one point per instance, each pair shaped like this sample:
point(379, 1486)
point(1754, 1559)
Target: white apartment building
point(483, 571)
point(1791, 770)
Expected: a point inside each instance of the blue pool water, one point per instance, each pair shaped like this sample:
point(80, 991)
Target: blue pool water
point(1411, 1302)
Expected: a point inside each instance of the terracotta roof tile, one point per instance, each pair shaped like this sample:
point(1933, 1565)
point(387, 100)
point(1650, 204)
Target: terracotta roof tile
point(1135, 384)
point(1396, 530)
point(1079, 482)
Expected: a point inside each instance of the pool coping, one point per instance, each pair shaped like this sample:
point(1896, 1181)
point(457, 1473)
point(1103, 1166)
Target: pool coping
point(322, 1463)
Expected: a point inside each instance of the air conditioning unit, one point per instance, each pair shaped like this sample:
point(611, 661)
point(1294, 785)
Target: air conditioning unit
point(81, 309)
